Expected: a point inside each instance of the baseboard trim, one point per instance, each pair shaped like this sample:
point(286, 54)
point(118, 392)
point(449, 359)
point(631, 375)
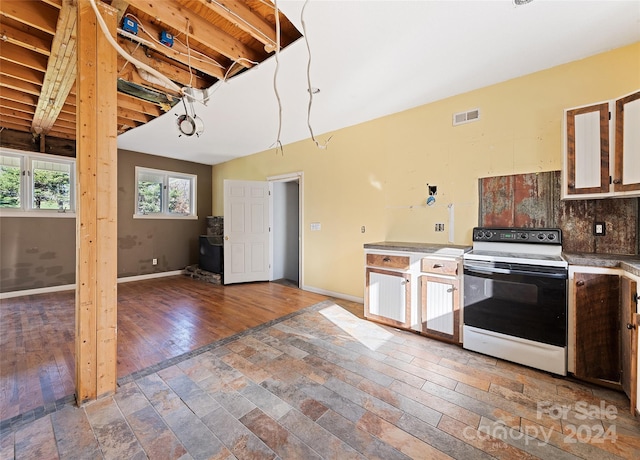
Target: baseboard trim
point(70, 287)
point(337, 295)
point(150, 276)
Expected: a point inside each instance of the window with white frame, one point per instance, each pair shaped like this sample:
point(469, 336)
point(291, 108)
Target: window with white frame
point(33, 183)
point(165, 194)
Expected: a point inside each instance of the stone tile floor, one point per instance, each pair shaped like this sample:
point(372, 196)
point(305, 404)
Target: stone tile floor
point(322, 383)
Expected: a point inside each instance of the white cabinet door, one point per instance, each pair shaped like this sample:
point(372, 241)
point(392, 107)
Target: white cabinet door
point(440, 307)
point(587, 150)
point(388, 297)
point(627, 165)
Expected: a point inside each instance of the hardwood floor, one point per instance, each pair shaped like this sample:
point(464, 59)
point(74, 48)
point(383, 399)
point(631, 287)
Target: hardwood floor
point(157, 319)
point(321, 383)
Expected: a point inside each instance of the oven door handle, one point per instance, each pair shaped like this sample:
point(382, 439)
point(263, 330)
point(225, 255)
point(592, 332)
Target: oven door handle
point(491, 271)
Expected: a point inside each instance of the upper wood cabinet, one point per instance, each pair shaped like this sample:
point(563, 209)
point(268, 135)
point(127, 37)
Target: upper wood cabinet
point(602, 149)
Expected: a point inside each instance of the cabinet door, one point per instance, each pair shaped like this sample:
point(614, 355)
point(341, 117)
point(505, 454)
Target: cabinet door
point(629, 338)
point(597, 298)
point(440, 302)
point(627, 164)
point(587, 150)
point(388, 297)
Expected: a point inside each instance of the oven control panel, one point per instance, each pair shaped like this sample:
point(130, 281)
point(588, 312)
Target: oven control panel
point(518, 235)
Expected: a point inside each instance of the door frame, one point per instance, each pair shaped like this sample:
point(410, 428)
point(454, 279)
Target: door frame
point(289, 177)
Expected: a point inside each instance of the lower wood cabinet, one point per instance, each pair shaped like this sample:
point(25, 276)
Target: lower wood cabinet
point(440, 303)
point(597, 300)
point(388, 297)
point(606, 330)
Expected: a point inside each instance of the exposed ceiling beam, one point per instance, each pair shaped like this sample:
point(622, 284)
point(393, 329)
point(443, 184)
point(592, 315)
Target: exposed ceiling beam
point(133, 103)
point(18, 55)
point(10, 34)
point(180, 53)
point(19, 85)
point(199, 29)
point(17, 96)
point(243, 17)
point(61, 70)
point(31, 13)
point(12, 69)
point(177, 74)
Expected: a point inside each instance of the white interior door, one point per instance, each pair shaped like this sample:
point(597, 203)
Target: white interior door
point(246, 231)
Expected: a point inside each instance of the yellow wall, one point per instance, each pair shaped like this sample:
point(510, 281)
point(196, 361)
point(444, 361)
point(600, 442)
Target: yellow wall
point(376, 173)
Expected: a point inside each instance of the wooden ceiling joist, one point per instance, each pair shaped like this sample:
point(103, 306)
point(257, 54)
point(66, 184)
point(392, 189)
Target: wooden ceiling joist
point(12, 105)
point(18, 55)
point(185, 21)
point(133, 103)
point(178, 52)
point(239, 14)
point(11, 69)
point(61, 70)
point(213, 40)
point(41, 17)
point(174, 73)
point(25, 40)
point(19, 85)
point(17, 96)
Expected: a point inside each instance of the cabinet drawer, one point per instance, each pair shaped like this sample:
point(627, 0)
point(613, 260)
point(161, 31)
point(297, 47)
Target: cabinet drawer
point(382, 260)
point(443, 267)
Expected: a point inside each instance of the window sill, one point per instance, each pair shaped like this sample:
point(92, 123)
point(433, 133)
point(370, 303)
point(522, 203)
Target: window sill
point(45, 214)
point(164, 216)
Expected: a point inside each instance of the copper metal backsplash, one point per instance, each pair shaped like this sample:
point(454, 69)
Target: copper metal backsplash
point(533, 200)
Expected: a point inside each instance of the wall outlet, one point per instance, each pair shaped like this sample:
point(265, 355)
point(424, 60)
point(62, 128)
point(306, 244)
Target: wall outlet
point(316, 227)
point(439, 227)
point(599, 228)
point(363, 229)
point(154, 261)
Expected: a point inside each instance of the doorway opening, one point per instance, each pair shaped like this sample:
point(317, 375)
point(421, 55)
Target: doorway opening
point(286, 244)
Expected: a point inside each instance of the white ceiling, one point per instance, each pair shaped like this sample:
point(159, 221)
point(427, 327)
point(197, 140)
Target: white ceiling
point(373, 58)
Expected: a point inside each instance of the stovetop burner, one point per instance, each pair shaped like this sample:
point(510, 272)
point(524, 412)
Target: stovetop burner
point(531, 246)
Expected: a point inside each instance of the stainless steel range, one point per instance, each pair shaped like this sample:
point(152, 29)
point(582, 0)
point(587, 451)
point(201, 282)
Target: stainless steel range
point(515, 297)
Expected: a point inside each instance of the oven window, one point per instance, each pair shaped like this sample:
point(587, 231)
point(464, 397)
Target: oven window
point(526, 306)
point(511, 291)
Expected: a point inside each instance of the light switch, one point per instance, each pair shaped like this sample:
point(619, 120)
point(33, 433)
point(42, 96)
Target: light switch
point(315, 226)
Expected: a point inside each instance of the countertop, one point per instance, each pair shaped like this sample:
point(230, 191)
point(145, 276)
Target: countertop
point(426, 248)
point(628, 263)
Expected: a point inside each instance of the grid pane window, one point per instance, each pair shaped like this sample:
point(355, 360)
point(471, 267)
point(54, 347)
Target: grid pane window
point(10, 189)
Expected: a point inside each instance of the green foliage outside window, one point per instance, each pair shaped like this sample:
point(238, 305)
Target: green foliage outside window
point(9, 186)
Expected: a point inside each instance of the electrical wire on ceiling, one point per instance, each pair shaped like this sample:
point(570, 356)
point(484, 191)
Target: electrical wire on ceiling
point(309, 88)
point(244, 21)
point(207, 58)
point(124, 54)
point(278, 143)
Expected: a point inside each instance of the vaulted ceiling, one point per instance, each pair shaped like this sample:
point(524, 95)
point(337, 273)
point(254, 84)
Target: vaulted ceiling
point(212, 40)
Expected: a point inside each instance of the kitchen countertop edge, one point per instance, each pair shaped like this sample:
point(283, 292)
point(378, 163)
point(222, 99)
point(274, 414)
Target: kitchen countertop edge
point(426, 248)
point(628, 263)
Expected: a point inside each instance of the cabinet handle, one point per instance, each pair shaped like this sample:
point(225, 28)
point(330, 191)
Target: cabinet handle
point(631, 326)
point(438, 265)
point(580, 283)
point(572, 185)
point(617, 181)
point(387, 259)
point(451, 289)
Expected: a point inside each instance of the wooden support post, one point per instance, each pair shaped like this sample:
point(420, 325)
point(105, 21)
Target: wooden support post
point(96, 228)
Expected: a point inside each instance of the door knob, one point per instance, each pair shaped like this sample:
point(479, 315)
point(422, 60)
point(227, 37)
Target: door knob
point(580, 283)
point(226, 238)
point(631, 326)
